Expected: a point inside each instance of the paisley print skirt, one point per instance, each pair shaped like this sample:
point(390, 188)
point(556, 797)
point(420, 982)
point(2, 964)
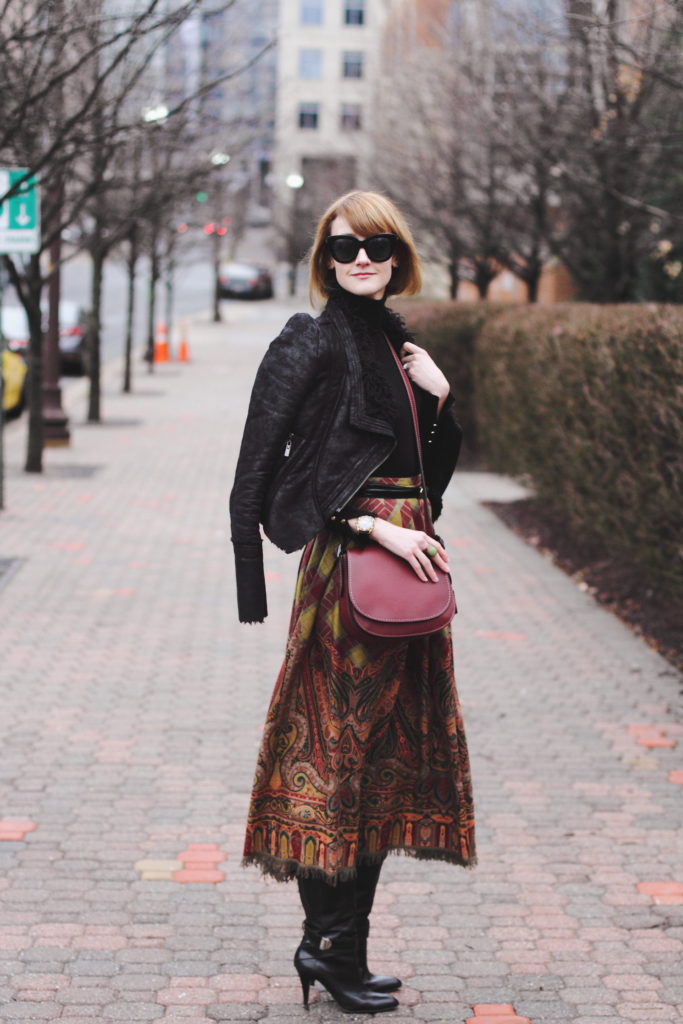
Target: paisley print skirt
point(364, 749)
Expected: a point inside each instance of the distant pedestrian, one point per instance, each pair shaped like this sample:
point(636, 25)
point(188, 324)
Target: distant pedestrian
point(364, 751)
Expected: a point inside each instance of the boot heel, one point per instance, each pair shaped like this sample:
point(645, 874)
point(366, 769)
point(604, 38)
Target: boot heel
point(305, 986)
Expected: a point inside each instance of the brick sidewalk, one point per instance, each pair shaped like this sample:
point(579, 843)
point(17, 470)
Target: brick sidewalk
point(132, 704)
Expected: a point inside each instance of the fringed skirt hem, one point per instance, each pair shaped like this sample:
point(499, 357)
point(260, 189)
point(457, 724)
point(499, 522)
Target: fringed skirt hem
point(286, 870)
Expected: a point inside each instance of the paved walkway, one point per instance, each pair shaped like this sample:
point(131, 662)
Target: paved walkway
point(132, 704)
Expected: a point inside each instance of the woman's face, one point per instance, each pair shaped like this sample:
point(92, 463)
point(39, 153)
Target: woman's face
point(362, 277)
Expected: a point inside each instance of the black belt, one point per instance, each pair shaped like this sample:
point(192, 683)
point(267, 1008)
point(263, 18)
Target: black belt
point(389, 491)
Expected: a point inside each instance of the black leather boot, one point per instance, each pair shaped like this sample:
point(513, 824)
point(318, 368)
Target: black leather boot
point(328, 952)
point(366, 884)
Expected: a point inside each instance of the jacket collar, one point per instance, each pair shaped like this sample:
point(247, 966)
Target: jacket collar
point(358, 414)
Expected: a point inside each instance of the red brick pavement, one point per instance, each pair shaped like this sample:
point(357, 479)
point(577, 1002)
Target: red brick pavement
point(132, 710)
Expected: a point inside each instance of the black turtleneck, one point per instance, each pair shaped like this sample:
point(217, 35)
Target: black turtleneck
point(385, 393)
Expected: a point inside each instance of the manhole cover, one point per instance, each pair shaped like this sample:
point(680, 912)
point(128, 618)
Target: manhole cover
point(72, 471)
point(56, 471)
point(121, 421)
point(8, 567)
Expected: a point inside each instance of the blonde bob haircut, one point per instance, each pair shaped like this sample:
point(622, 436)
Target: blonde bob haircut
point(368, 213)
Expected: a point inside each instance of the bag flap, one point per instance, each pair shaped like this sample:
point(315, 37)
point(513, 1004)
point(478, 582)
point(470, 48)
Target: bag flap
point(384, 587)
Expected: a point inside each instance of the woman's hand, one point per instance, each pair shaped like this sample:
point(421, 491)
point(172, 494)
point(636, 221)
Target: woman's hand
point(411, 545)
point(421, 368)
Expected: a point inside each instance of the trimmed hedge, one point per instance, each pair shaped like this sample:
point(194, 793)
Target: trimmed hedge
point(588, 401)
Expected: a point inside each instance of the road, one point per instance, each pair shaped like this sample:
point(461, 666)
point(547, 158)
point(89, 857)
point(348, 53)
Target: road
point(195, 295)
point(193, 292)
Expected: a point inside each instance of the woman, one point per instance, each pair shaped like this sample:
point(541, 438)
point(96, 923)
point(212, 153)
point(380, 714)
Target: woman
point(364, 751)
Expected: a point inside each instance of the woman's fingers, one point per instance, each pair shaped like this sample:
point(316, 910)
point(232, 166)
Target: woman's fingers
point(431, 571)
point(413, 545)
point(417, 567)
point(442, 563)
point(426, 565)
point(422, 369)
point(409, 353)
point(436, 546)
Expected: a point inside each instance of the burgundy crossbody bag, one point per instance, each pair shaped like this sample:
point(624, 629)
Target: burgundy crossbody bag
point(381, 596)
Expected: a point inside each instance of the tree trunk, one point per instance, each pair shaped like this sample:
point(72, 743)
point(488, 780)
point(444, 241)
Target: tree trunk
point(94, 346)
point(454, 254)
point(131, 264)
point(170, 294)
point(454, 277)
point(34, 448)
point(152, 297)
point(532, 282)
point(216, 277)
point(532, 277)
point(482, 277)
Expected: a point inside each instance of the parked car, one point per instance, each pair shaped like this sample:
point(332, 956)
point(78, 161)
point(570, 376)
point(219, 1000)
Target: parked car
point(15, 328)
point(72, 337)
point(72, 324)
point(14, 383)
point(245, 281)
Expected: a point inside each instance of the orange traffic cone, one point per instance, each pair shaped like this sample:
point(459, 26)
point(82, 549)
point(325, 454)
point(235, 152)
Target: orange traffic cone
point(183, 347)
point(161, 344)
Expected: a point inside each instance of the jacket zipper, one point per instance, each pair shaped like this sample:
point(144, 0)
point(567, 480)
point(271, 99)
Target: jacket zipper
point(351, 494)
point(288, 446)
point(342, 546)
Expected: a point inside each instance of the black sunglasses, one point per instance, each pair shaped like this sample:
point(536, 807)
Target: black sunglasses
point(345, 248)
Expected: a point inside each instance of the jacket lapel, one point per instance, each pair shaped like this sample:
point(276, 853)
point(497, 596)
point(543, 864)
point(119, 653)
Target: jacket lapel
point(358, 414)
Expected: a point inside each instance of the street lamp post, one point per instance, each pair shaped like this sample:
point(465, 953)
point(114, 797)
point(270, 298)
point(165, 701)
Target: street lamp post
point(55, 420)
point(295, 183)
point(218, 159)
point(155, 116)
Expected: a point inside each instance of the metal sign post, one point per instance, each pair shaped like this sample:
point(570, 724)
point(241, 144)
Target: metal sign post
point(19, 234)
point(2, 395)
point(20, 214)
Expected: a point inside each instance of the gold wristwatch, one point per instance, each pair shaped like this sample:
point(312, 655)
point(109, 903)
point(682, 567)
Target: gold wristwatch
point(365, 525)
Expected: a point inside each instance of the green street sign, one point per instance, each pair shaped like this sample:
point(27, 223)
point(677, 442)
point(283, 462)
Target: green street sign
point(19, 215)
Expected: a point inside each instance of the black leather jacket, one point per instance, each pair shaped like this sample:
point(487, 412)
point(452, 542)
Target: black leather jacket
point(309, 445)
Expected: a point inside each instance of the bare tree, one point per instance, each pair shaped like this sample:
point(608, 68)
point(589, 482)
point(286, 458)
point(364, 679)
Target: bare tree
point(58, 60)
point(92, 68)
point(524, 130)
point(619, 140)
point(439, 150)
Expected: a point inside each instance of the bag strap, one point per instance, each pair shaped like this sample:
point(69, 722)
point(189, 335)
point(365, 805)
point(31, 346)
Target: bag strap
point(416, 428)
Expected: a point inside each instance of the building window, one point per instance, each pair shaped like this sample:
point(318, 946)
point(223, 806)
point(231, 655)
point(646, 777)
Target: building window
point(310, 63)
point(311, 12)
point(350, 120)
point(308, 115)
point(354, 12)
point(352, 64)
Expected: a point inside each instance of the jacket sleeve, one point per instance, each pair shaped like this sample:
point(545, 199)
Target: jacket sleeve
point(441, 437)
point(282, 382)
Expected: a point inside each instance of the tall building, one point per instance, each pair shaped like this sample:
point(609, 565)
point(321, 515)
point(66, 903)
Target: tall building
point(247, 101)
point(238, 112)
point(328, 64)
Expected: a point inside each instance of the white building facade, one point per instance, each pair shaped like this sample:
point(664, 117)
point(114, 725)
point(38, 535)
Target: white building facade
point(327, 70)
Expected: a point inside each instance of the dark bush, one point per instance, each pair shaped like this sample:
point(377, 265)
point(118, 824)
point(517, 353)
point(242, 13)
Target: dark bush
point(660, 278)
point(588, 401)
